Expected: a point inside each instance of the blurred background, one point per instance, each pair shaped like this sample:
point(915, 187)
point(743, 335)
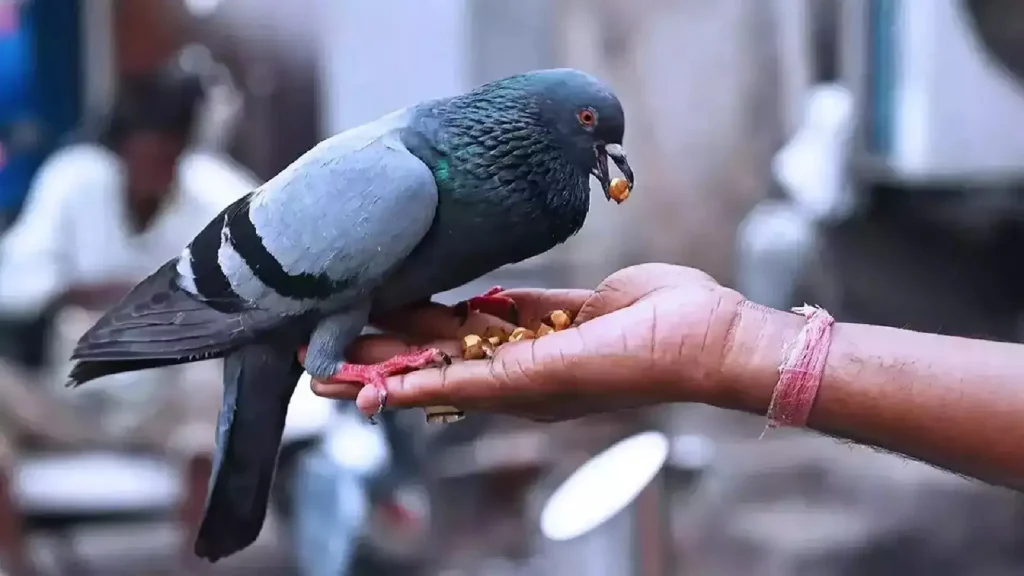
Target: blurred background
point(863, 155)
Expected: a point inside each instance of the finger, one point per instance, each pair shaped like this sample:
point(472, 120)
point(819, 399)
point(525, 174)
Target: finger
point(428, 387)
point(336, 390)
point(515, 370)
point(435, 322)
point(613, 294)
point(373, 349)
point(629, 285)
point(534, 305)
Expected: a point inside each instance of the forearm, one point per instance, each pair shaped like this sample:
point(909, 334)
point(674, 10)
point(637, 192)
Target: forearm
point(952, 402)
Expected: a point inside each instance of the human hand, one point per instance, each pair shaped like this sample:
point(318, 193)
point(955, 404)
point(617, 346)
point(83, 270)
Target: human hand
point(646, 335)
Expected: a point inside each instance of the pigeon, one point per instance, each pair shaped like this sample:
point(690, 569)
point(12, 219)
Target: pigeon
point(376, 218)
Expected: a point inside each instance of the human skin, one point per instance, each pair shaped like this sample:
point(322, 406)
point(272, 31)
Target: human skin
point(657, 333)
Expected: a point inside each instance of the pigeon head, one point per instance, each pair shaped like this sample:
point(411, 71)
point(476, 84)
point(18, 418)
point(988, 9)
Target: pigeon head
point(540, 119)
point(586, 118)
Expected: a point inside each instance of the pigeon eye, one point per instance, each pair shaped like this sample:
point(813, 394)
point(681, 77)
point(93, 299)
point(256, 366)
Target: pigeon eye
point(587, 117)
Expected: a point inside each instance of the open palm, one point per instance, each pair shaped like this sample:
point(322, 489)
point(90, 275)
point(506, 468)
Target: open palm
point(641, 336)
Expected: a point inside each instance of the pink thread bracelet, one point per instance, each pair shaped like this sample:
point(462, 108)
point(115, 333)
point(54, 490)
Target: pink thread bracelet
point(801, 371)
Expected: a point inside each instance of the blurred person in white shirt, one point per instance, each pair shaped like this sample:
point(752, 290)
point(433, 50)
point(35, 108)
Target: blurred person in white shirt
point(101, 216)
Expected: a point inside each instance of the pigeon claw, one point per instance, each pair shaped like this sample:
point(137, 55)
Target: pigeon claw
point(382, 400)
point(491, 303)
point(376, 375)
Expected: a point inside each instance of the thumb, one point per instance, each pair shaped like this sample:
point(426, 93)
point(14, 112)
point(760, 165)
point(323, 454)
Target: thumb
point(630, 285)
point(534, 305)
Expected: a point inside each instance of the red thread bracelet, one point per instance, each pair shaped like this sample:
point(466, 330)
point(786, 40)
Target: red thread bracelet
point(801, 371)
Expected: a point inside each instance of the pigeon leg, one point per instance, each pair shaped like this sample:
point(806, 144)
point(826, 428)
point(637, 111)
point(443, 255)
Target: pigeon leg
point(492, 303)
point(324, 357)
point(376, 375)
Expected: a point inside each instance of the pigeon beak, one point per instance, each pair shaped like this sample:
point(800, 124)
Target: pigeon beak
point(618, 155)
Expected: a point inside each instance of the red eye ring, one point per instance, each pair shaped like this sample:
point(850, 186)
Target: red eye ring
point(587, 117)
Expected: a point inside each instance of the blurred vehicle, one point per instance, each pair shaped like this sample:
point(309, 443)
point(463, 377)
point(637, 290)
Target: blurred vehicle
point(898, 197)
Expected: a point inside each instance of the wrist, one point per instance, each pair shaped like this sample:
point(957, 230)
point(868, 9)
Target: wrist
point(754, 349)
